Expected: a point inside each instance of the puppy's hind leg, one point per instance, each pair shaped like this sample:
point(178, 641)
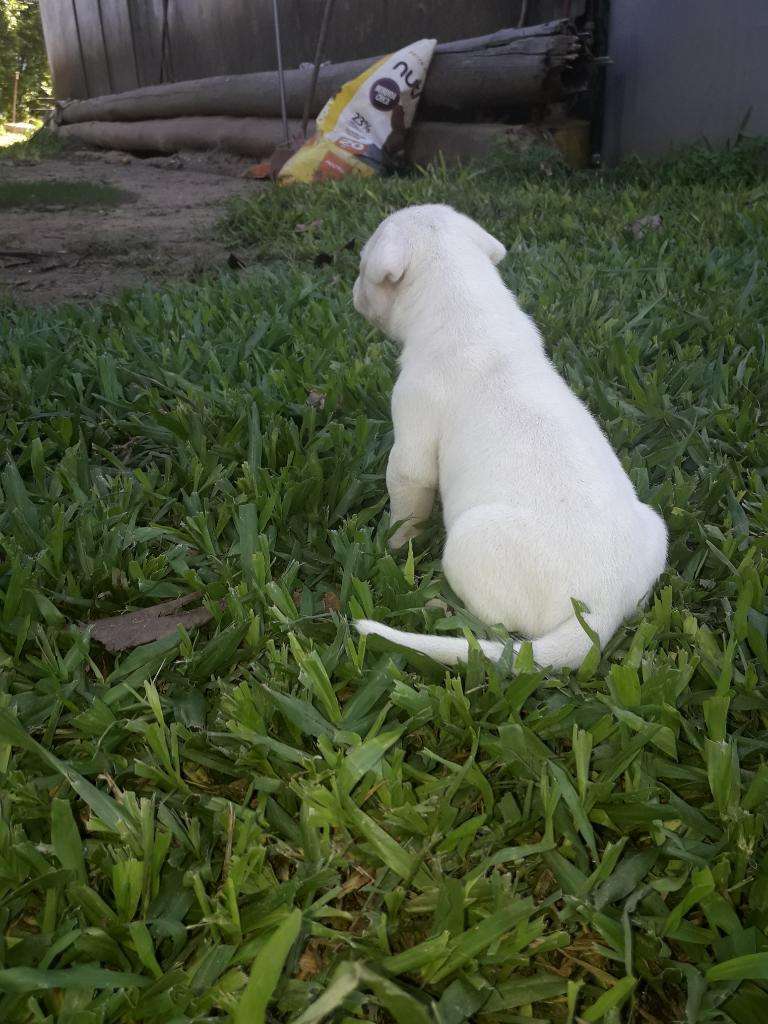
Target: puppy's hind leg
point(503, 568)
point(568, 644)
point(495, 561)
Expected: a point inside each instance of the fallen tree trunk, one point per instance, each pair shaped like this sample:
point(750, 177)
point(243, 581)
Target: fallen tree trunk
point(248, 136)
point(511, 68)
point(258, 137)
point(455, 143)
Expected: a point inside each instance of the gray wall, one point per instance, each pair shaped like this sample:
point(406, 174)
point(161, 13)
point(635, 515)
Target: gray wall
point(100, 46)
point(684, 70)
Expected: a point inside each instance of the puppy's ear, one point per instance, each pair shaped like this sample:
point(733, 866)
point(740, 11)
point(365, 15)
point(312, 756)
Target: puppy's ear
point(389, 259)
point(491, 246)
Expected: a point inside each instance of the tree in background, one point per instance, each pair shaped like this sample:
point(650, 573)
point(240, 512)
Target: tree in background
point(21, 49)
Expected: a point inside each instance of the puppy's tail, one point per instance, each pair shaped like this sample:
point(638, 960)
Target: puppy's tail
point(565, 647)
point(449, 650)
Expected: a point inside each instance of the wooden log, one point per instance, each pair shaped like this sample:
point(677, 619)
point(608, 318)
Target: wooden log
point(511, 68)
point(248, 136)
point(258, 137)
point(453, 143)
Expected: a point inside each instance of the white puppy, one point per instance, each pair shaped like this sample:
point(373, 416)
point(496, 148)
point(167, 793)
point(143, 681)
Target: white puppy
point(537, 507)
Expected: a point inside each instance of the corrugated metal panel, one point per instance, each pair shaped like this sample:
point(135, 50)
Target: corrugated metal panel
point(682, 72)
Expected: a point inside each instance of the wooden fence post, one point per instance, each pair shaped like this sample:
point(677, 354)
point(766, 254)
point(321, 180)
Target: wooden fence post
point(15, 96)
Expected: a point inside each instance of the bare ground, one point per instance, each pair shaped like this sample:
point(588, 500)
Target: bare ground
point(164, 231)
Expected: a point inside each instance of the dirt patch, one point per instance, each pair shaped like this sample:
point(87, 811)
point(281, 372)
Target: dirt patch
point(51, 253)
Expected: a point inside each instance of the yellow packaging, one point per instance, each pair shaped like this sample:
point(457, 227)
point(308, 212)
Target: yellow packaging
point(365, 122)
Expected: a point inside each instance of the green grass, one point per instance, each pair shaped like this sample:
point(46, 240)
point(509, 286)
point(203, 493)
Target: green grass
point(31, 195)
point(364, 835)
point(43, 144)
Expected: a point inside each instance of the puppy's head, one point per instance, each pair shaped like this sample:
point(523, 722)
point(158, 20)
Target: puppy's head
point(405, 245)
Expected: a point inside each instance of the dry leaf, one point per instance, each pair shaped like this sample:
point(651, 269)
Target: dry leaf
point(123, 632)
point(117, 156)
point(356, 880)
point(259, 171)
point(331, 602)
point(316, 399)
point(652, 222)
point(282, 155)
point(300, 229)
point(310, 963)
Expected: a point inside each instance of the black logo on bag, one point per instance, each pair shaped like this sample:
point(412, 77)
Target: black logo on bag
point(385, 94)
point(414, 84)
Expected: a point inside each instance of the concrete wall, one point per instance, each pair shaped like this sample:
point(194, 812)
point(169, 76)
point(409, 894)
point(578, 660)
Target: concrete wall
point(100, 46)
point(684, 70)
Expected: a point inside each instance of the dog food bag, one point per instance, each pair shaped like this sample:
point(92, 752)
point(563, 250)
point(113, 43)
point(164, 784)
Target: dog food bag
point(363, 126)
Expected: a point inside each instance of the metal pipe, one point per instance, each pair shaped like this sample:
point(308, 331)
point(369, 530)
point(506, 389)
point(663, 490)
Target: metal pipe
point(316, 69)
point(283, 107)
